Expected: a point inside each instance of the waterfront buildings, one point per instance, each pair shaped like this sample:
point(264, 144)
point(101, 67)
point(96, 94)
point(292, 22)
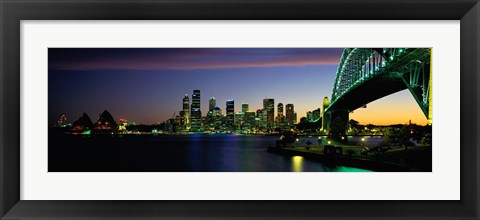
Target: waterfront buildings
point(122, 126)
point(105, 124)
point(214, 119)
point(211, 103)
point(269, 108)
point(289, 114)
point(260, 119)
point(280, 120)
point(185, 114)
point(249, 122)
point(230, 111)
point(239, 120)
point(244, 107)
point(280, 110)
point(82, 124)
point(217, 111)
point(62, 121)
point(196, 113)
point(263, 120)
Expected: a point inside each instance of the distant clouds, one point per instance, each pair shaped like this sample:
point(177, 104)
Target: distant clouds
point(187, 58)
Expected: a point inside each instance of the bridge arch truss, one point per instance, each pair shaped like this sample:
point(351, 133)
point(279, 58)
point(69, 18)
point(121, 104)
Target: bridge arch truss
point(385, 71)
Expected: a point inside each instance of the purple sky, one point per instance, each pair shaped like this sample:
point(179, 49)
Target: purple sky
point(147, 85)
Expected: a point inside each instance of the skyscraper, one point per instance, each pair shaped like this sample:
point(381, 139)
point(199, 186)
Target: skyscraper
point(239, 116)
point(196, 113)
point(258, 119)
point(269, 107)
point(230, 113)
point(186, 103)
point(244, 107)
point(211, 103)
point(249, 121)
point(280, 120)
point(280, 110)
point(289, 114)
point(186, 112)
point(217, 111)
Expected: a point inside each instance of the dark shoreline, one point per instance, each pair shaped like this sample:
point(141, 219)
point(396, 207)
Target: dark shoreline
point(339, 160)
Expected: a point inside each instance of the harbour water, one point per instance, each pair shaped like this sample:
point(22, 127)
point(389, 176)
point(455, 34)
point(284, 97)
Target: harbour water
point(176, 153)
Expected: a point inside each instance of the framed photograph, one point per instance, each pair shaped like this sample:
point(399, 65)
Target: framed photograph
point(228, 136)
point(227, 109)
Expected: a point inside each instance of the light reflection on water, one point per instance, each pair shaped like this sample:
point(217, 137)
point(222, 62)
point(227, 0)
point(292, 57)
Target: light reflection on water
point(348, 169)
point(244, 153)
point(297, 164)
point(183, 153)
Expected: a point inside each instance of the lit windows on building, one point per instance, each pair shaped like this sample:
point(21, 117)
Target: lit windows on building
point(289, 114)
point(249, 121)
point(269, 108)
point(230, 111)
point(196, 113)
point(211, 103)
point(185, 113)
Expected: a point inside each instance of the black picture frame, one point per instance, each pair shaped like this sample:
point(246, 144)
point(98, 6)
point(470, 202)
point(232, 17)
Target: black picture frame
point(13, 11)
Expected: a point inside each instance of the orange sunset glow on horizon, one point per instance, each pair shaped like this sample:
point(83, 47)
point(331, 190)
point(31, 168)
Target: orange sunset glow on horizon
point(389, 110)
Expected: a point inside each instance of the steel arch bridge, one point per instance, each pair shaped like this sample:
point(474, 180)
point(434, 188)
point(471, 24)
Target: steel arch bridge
point(367, 74)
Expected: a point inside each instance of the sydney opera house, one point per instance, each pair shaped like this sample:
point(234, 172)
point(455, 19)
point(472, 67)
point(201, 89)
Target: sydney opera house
point(104, 125)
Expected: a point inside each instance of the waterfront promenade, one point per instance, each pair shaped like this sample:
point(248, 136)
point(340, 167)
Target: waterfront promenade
point(387, 162)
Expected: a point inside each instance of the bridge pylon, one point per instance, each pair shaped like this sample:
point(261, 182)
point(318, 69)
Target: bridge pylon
point(338, 123)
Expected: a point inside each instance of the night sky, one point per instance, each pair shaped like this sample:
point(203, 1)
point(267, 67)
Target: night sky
point(147, 85)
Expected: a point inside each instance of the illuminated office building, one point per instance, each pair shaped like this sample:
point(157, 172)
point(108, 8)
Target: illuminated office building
point(196, 113)
point(259, 119)
point(185, 113)
point(217, 111)
point(211, 103)
point(280, 110)
point(230, 111)
point(289, 114)
point(269, 108)
point(239, 116)
point(249, 121)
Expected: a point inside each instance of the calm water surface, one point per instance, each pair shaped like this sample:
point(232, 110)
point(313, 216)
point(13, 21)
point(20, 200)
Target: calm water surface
point(177, 153)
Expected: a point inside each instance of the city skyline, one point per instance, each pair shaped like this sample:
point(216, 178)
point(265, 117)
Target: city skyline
point(147, 89)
